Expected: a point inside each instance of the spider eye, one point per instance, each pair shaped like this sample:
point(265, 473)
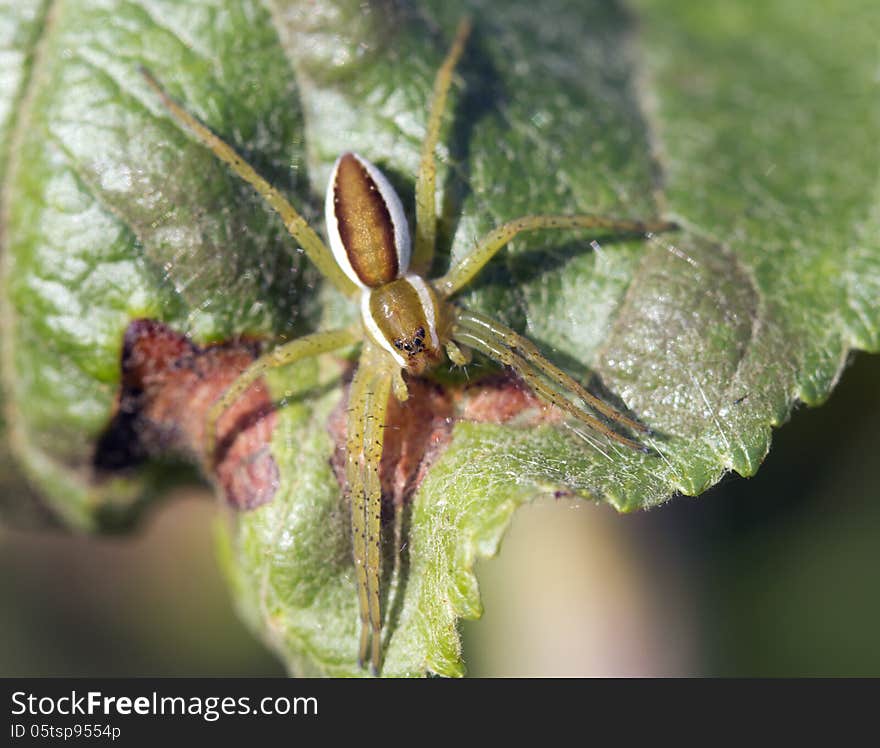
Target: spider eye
point(418, 343)
point(411, 346)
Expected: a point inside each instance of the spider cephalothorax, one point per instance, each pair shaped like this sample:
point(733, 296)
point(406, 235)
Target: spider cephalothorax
point(407, 321)
point(406, 318)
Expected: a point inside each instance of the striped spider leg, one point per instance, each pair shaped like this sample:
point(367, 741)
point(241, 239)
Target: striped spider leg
point(408, 324)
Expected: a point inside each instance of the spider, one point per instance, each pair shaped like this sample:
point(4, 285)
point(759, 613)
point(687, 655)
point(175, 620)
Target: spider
point(408, 323)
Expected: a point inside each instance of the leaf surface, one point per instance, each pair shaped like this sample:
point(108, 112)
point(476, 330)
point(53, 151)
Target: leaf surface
point(754, 127)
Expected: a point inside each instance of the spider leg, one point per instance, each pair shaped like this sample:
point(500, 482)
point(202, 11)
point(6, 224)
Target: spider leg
point(295, 224)
point(468, 266)
point(456, 355)
point(367, 411)
point(295, 350)
point(398, 386)
point(358, 403)
point(529, 351)
point(426, 207)
point(491, 345)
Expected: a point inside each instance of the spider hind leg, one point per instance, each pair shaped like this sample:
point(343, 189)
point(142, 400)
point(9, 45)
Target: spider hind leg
point(296, 225)
point(426, 209)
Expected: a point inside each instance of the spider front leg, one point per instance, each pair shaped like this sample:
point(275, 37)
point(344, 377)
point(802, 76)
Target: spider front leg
point(545, 379)
point(289, 353)
point(367, 413)
point(479, 323)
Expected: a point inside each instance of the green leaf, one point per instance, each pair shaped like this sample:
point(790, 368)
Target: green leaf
point(753, 126)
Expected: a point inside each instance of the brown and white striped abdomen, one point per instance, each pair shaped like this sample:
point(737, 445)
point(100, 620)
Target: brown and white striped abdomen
point(366, 225)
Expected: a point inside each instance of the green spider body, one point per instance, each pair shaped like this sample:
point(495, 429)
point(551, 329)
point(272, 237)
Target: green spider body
point(407, 322)
point(406, 318)
point(370, 241)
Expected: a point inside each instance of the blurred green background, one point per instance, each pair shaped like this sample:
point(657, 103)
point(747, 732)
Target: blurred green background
point(777, 576)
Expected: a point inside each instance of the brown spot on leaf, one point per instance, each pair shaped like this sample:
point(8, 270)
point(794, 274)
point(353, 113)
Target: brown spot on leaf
point(501, 398)
point(419, 430)
point(168, 385)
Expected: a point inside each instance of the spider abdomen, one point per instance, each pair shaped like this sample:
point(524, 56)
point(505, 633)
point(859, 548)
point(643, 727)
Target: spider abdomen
point(406, 319)
point(366, 225)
